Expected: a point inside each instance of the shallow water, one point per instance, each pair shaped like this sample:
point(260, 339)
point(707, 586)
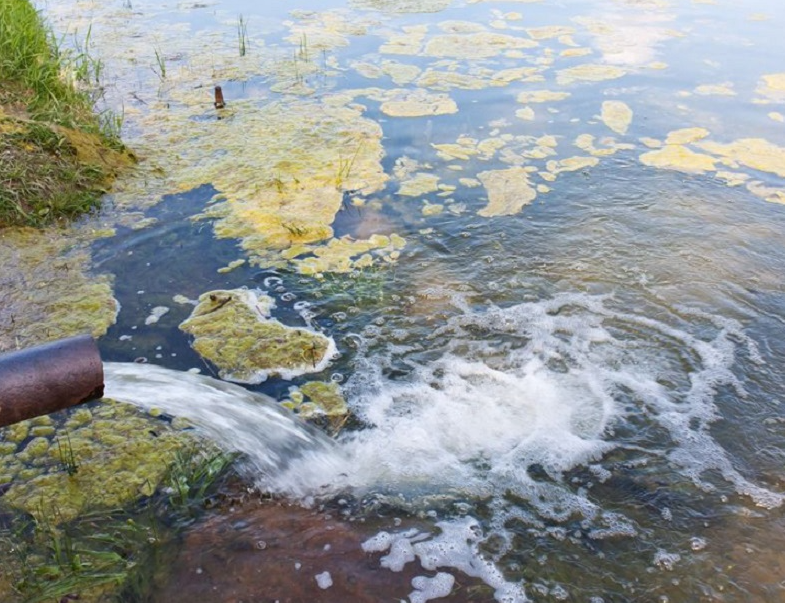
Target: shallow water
point(581, 393)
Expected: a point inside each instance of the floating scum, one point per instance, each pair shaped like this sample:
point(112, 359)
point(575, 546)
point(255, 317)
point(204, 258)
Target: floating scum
point(756, 154)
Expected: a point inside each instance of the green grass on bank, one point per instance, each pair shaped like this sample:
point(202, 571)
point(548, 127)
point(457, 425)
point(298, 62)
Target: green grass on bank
point(57, 156)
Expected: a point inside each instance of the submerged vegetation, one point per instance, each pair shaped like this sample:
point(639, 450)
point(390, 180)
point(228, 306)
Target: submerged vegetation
point(57, 157)
point(101, 490)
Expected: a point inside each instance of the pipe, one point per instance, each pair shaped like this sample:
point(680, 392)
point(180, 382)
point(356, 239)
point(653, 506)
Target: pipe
point(46, 378)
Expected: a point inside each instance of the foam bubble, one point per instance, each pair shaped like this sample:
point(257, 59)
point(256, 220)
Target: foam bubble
point(498, 406)
point(427, 588)
point(324, 580)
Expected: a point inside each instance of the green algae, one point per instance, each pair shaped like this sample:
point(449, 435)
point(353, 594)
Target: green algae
point(327, 398)
point(48, 292)
point(478, 79)
point(401, 102)
point(419, 184)
point(616, 115)
point(508, 191)
point(233, 329)
point(541, 96)
point(589, 73)
point(113, 460)
point(326, 30)
point(403, 6)
point(345, 255)
point(287, 190)
point(678, 157)
point(475, 45)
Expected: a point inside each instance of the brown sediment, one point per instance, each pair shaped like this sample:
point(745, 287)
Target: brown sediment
point(272, 551)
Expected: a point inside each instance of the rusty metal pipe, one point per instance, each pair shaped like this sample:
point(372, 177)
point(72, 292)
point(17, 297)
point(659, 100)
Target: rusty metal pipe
point(46, 378)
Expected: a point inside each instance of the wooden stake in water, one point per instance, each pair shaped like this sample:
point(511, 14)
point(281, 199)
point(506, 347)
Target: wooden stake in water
point(219, 98)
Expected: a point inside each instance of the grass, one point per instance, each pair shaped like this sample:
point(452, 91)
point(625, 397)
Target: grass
point(242, 35)
point(109, 554)
point(91, 557)
point(160, 61)
point(192, 474)
point(57, 156)
point(345, 168)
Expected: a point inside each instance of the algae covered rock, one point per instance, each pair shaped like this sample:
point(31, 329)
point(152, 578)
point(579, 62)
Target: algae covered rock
point(233, 329)
point(327, 398)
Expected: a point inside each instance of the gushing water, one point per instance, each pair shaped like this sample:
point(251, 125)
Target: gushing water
point(270, 437)
point(498, 406)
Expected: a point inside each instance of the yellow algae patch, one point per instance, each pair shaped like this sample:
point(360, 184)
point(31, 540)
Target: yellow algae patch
point(325, 31)
point(767, 193)
point(483, 78)
point(287, 165)
point(325, 399)
point(372, 72)
point(408, 43)
point(585, 142)
point(345, 254)
point(233, 329)
point(616, 115)
point(678, 157)
point(658, 65)
point(431, 209)
point(460, 27)
point(541, 96)
point(527, 114)
point(420, 184)
point(774, 115)
point(469, 182)
point(575, 52)
point(552, 31)
point(231, 266)
point(508, 191)
point(475, 45)
point(413, 103)
point(47, 291)
point(400, 73)
point(732, 178)
point(772, 86)
point(571, 164)
point(589, 73)
point(686, 135)
point(755, 153)
point(406, 166)
point(652, 143)
point(725, 89)
point(466, 147)
point(403, 6)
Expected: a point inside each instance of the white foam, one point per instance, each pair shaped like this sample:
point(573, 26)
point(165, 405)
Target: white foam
point(324, 580)
point(508, 400)
point(427, 588)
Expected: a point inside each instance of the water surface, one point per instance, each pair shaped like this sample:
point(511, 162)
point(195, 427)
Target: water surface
point(573, 366)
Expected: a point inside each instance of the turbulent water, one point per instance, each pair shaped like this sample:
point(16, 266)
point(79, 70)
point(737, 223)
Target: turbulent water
point(569, 360)
point(511, 402)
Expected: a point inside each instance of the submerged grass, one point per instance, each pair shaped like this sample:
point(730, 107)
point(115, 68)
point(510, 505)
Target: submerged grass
point(57, 156)
point(108, 555)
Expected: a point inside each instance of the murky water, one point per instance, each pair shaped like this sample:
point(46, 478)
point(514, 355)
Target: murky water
point(572, 369)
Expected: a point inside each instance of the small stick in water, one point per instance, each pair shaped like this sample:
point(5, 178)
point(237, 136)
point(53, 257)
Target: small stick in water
point(219, 98)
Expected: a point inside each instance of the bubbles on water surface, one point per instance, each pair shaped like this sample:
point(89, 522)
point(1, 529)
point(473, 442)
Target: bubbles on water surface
point(512, 414)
